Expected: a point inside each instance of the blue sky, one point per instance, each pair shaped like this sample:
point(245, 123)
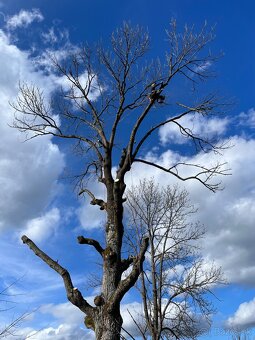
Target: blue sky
point(37, 201)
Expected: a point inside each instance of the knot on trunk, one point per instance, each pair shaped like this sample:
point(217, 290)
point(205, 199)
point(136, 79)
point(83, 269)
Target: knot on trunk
point(99, 202)
point(99, 300)
point(109, 255)
point(89, 322)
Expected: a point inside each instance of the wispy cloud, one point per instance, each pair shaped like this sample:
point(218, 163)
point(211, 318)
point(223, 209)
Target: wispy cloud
point(247, 119)
point(24, 18)
point(202, 68)
point(53, 36)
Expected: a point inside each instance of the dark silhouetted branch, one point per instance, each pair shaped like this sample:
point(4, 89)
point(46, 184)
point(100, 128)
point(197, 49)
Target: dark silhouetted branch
point(73, 294)
point(91, 242)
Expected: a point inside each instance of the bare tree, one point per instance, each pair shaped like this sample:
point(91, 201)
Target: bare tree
point(6, 304)
point(11, 328)
point(112, 90)
point(175, 281)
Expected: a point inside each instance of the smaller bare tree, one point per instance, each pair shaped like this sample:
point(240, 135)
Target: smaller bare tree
point(175, 279)
point(6, 304)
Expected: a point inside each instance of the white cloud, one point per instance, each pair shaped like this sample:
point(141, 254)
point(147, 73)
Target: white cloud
point(53, 36)
point(64, 312)
point(40, 228)
point(44, 60)
point(227, 215)
point(243, 318)
point(247, 118)
point(90, 216)
point(67, 323)
point(28, 171)
point(61, 332)
point(50, 36)
point(129, 311)
point(24, 18)
point(134, 311)
point(203, 67)
point(94, 91)
point(198, 124)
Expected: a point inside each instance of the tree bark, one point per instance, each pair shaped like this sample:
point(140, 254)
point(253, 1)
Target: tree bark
point(108, 325)
point(108, 320)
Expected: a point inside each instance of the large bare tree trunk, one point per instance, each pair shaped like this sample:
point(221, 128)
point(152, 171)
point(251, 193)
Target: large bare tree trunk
point(109, 321)
point(108, 325)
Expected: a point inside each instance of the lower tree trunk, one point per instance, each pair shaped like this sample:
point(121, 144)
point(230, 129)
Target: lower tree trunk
point(108, 320)
point(108, 325)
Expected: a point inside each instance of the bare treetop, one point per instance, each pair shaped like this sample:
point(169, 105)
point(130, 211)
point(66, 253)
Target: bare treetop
point(106, 88)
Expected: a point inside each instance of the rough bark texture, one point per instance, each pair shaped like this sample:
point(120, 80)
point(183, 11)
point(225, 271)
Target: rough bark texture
point(108, 325)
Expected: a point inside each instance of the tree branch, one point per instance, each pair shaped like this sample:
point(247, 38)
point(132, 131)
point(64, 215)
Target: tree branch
point(94, 201)
point(143, 333)
point(129, 282)
point(126, 263)
point(207, 172)
point(91, 242)
point(204, 108)
point(73, 294)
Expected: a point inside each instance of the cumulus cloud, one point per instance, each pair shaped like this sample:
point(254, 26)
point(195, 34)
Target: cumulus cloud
point(130, 311)
point(61, 332)
point(65, 312)
point(67, 324)
point(199, 125)
point(24, 18)
point(227, 215)
point(85, 82)
point(28, 170)
point(42, 227)
point(134, 311)
point(243, 318)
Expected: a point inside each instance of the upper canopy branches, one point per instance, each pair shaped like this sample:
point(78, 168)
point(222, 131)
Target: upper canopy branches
point(108, 96)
